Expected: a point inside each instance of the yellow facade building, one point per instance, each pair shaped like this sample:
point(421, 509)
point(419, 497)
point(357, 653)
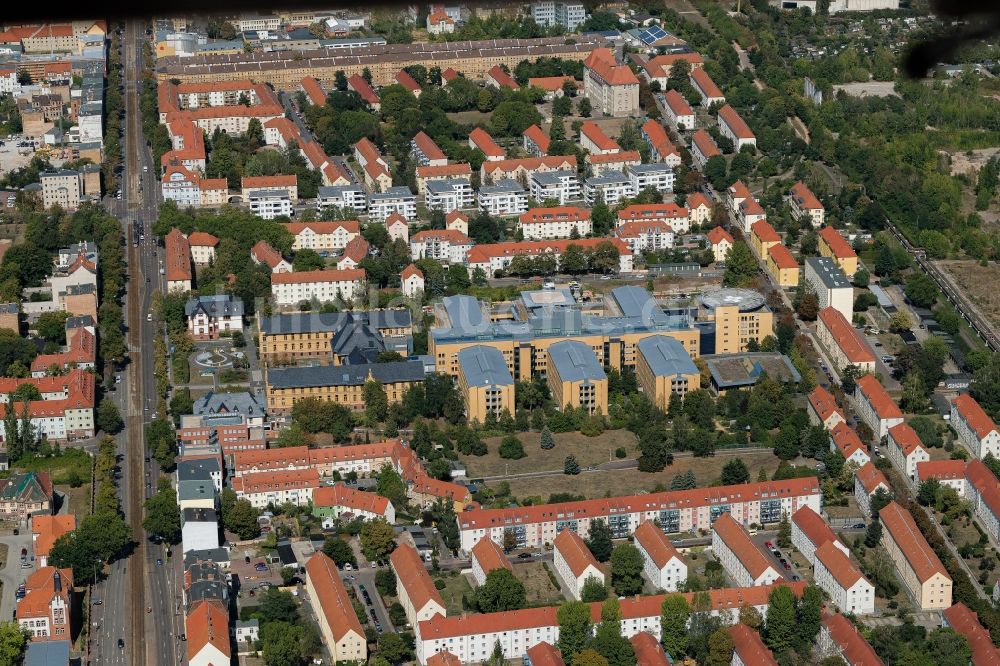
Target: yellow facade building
point(663, 368)
point(288, 338)
point(782, 266)
point(740, 316)
point(485, 383)
point(342, 384)
point(576, 379)
point(835, 246)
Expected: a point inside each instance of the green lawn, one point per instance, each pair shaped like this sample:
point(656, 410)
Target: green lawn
point(454, 588)
point(59, 466)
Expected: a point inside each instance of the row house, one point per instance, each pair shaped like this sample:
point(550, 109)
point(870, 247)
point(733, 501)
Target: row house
point(479, 139)
point(323, 236)
point(662, 564)
point(678, 217)
point(875, 406)
point(487, 556)
point(843, 342)
point(823, 408)
point(867, 481)
point(840, 578)
point(646, 236)
point(844, 439)
point(677, 511)
point(905, 450)
point(495, 257)
point(555, 222)
point(574, 563)
point(974, 427)
point(763, 237)
point(323, 285)
point(735, 129)
point(332, 502)
point(661, 149)
point(199, 529)
point(921, 572)
point(835, 246)
point(277, 488)
point(949, 473)
point(286, 184)
point(504, 198)
point(810, 531)
point(742, 559)
point(443, 245)
point(703, 148)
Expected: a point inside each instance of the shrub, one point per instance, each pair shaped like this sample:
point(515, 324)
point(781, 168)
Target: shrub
point(511, 448)
point(620, 452)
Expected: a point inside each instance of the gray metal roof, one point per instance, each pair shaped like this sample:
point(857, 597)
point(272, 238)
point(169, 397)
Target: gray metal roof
point(484, 366)
point(552, 177)
point(446, 185)
point(575, 362)
point(48, 653)
point(195, 489)
point(229, 403)
point(337, 190)
point(666, 356)
point(219, 554)
point(829, 273)
point(609, 178)
point(331, 321)
point(648, 168)
point(345, 375)
point(745, 368)
point(398, 192)
point(59, 173)
point(505, 186)
point(199, 516)
point(216, 305)
point(197, 470)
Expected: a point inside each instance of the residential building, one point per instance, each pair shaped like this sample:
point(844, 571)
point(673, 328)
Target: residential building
point(840, 578)
point(575, 377)
point(444, 245)
point(810, 531)
point(663, 565)
point(648, 650)
point(782, 266)
point(554, 86)
point(392, 200)
point(66, 410)
point(398, 228)
point(287, 185)
point(412, 282)
point(749, 212)
point(831, 285)
point(323, 285)
point(269, 204)
point(263, 253)
point(748, 648)
point(875, 407)
point(202, 248)
point(735, 129)
point(905, 449)
point(867, 481)
point(339, 501)
point(612, 88)
point(63, 188)
point(661, 149)
point(45, 529)
point(353, 254)
point(323, 236)
point(574, 563)
point(838, 637)
point(843, 438)
point(338, 623)
point(480, 138)
point(199, 529)
point(536, 142)
point(521, 169)
point(428, 174)
point(555, 222)
point(740, 557)
point(645, 236)
point(721, 242)
point(503, 198)
point(539, 654)
point(341, 384)
point(966, 622)
point(833, 245)
point(763, 237)
point(276, 488)
point(245, 407)
point(177, 261)
point(360, 85)
point(678, 111)
point(499, 78)
point(705, 86)
point(487, 556)
point(569, 15)
point(664, 368)
point(611, 187)
point(703, 148)
point(448, 195)
point(921, 572)
point(595, 141)
point(81, 352)
point(658, 67)
point(843, 342)
point(346, 197)
point(562, 186)
point(485, 383)
point(805, 206)
point(439, 23)
point(207, 630)
point(417, 594)
point(975, 429)
point(660, 177)
point(46, 611)
point(616, 163)
point(676, 216)
point(426, 152)
point(949, 473)
point(208, 317)
point(983, 491)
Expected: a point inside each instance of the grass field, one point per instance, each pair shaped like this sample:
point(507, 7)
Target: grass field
point(78, 498)
point(454, 587)
point(60, 466)
point(631, 481)
point(588, 451)
point(537, 585)
point(978, 283)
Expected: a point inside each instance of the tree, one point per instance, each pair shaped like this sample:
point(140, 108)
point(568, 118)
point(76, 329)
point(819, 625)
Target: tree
point(584, 107)
point(674, 615)
point(339, 551)
point(626, 569)
point(984, 387)
point(720, 648)
point(239, 516)
point(108, 417)
point(784, 532)
point(385, 582)
point(599, 540)
point(750, 616)
point(809, 616)
point(734, 472)
point(546, 439)
point(392, 648)
point(391, 485)
point(502, 591)
point(593, 590)
point(377, 539)
point(163, 516)
point(376, 401)
point(52, 326)
point(873, 535)
point(511, 448)
point(741, 266)
point(808, 308)
point(571, 466)
point(588, 657)
point(921, 290)
point(779, 630)
point(574, 627)
point(946, 646)
point(308, 260)
point(608, 640)
point(13, 643)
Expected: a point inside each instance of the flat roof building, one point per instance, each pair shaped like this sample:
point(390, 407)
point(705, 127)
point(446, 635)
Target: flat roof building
point(832, 287)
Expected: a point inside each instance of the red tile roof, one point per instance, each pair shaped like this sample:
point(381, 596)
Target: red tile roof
point(941, 469)
point(357, 83)
point(737, 539)
point(647, 212)
point(704, 82)
point(572, 548)
point(41, 590)
point(446, 170)
point(483, 253)
point(977, 419)
point(502, 78)
point(661, 65)
point(804, 197)
point(847, 338)
point(356, 249)
point(490, 555)
point(853, 646)
point(966, 622)
point(717, 234)
point(623, 157)
point(202, 238)
point(348, 275)
point(597, 136)
point(554, 214)
point(444, 659)
point(705, 143)
point(545, 654)
point(313, 90)
point(411, 270)
point(824, 404)
point(781, 257)
point(82, 349)
point(485, 143)
point(550, 83)
point(906, 438)
point(322, 228)
point(763, 230)
point(263, 482)
point(602, 62)
point(655, 543)
point(426, 145)
point(899, 525)
point(647, 650)
point(532, 164)
point(728, 115)
point(839, 565)
point(838, 244)
point(658, 139)
point(46, 529)
point(453, 236)
point(207, 623)
point(846, 440)
point(178, 253)
point(413, 577)
point(407, 81)
point(340, 495)
point(332, 597)
point(639, 229)
point(439, 17)
point(538, 137)
point(813, 526)
point(265, 254)
point(986, 485)
point(280, 180)
point(749, 647)
point(449, 75)
point(871, 477)
point(678, 105)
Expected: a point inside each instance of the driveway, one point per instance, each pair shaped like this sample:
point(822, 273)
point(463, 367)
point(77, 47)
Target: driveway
point(13, 574)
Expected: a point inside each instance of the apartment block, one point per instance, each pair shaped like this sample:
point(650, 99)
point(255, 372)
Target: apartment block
point(810, 531)
point(983, 491)
point(276, 488)
point(805, 206)
point(487, 556)
point(338, 623)
point(646, 236)
point(835, 246)
point(782, 266)
point(838, 637)
point(831, 285)
point(734, 128)
point(905, 450)
point(875, 406)
point(921, 572)
point(445, 245)
point(659, 177)
point(323, 285)
point(843, 342)
point(867, 481)
point(974, 427)
point(575, 377)
point(560, 186)
point(61, 188)
point(341, 384)
point(721, 242)
point(678, 217)
point(574, 563)
point(662, 564)
point(46, 610)
point(678, 111)
point(504, 198)
point(417, 594)
point(613, 89)
point(611, 187)
point(748, 648)
point(664, 368)
point(844, 438)
point(485, 383)
point(949, 473)
point(739, 556)
point(703, 148)
point(823, 408)
point(840, 578)
point(494, 257)
point(554, 222)
point(392, 200)
point(330, 502)
point(449, 194)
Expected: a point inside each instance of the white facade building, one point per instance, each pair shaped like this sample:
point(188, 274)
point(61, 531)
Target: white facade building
point(325, 285)
point(663, 566)
point(612, 187)
point(562, 186)
point(269, 204)
point(739, 556)
point(393, 200)
point(503, 198)
point(448, 195)
point(975, 429)
point(574, 563)
point(836, 575)
point(658, 176)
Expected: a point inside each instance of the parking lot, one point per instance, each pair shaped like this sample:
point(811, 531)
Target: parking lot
point(783, 560)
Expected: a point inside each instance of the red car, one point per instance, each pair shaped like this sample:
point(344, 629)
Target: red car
point(788, 567)
point(768, 545)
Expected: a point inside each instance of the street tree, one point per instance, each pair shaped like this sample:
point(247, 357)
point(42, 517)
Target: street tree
point(163, 516)
point(626, 569)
